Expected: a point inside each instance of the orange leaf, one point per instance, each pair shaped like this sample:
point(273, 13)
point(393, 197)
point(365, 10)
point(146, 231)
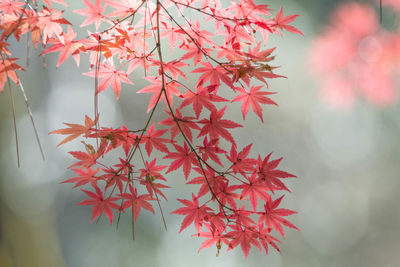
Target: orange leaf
point(75, 130)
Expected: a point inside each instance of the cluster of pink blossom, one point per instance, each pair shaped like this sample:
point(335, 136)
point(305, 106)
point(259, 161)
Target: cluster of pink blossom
point(354, 56)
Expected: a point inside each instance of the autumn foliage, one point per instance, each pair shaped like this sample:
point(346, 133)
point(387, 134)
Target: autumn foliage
point(236, 197)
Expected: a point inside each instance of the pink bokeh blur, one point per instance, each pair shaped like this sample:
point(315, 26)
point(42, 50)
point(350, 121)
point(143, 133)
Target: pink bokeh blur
point(354, 57)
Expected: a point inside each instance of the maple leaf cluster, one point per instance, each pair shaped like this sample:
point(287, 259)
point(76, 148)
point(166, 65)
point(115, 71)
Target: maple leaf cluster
point(239, 196)
point(18, 18)
point(355, 56)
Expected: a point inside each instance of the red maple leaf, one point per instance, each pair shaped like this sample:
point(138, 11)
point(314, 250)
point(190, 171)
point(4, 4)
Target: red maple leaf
point(246, 72)
point(281, 22)
point(153, 170)
point(267, 172)
point(173, 67)
point(234, 36)
point(207, 181)
point(226, 194)
point(93, 12)
point(210, 149)
point(84, 176)
point(199, 35)
point(114, 177)
point(248, 9)
point(214, 236)
point(183, 157)
point(216, 126)
point(110, 76)
point(153, 139)
point(242, 217)
point(186, 124)
point(122, 8)
point(89, 158)
point(171, 89)
point(49, 22)
point(137, 202)
point(202, 98)
point(243, 236)
point(267, 239)
point(194, 52)
point(260, 56)
point(272, 216)
point(67, 48)
point(253, 98)
point(193, 213)
point(7, 70)
point(212, 74)
point(171, 33)
point(11, 7)
point(255, 188)
point(100, 204)
point(150, 175)
point(76, 130)
point(240, 162)
point(86, 160)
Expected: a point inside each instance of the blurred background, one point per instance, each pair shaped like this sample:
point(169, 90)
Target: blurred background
point(347, 159)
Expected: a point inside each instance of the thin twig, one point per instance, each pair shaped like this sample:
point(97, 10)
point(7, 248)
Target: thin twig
point(14, 120)
point(13, 110)
point(31, 117)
